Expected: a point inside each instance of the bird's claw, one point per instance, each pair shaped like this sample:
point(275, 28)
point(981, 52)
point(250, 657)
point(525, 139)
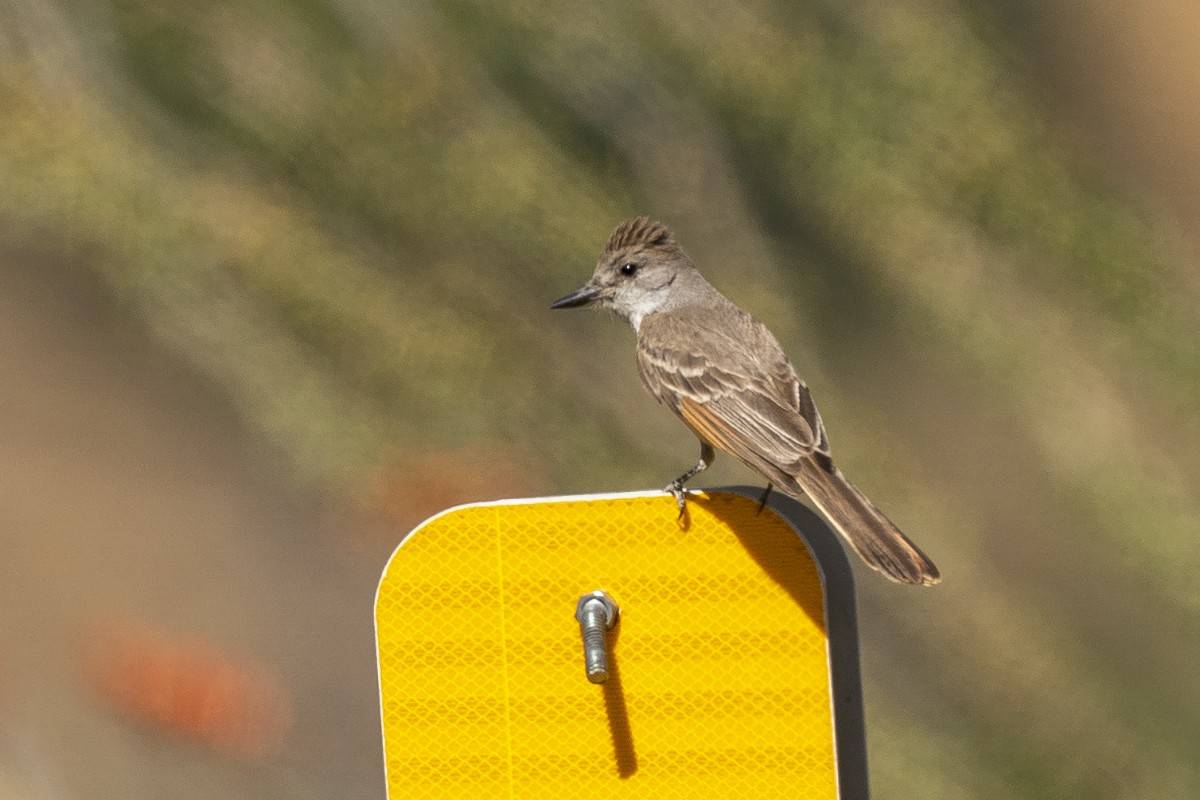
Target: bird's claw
point(676, 490)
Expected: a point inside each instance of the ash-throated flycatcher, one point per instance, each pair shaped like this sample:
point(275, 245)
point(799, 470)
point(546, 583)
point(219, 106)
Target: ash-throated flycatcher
point(728, 379)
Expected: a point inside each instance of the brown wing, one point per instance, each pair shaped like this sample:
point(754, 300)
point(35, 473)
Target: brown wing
point(739, 394)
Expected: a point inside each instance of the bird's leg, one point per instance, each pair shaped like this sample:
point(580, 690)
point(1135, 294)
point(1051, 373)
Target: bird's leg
point(675, 487)
point(762, 501)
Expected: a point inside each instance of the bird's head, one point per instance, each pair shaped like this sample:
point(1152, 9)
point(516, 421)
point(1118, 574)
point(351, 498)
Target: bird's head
point(635, 274)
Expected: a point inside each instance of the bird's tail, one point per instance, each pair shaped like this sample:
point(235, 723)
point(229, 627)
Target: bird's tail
point(872, 535)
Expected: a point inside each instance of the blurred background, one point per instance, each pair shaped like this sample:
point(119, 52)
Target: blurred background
point(274, 281)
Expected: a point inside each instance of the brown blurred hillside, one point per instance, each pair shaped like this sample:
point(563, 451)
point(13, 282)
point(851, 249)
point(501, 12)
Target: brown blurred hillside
point(274, 282)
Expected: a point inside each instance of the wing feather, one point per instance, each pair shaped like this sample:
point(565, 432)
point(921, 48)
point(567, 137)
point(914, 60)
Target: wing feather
point(747, 401)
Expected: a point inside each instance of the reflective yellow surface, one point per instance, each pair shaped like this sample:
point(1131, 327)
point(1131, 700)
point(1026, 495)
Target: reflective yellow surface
point(719, 686)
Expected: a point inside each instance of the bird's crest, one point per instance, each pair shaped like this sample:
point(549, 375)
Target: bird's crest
point(639, 231)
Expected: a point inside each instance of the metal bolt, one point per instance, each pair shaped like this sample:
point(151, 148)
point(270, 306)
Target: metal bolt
point(596, 613)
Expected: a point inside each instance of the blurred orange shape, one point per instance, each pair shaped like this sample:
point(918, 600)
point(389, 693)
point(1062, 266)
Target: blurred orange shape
point(187, 688)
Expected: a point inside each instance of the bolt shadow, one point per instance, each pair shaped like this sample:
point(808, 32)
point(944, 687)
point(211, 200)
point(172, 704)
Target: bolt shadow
point(617, 712)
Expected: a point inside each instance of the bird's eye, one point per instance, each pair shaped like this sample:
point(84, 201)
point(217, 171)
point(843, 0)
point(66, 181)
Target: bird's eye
point(629, 269)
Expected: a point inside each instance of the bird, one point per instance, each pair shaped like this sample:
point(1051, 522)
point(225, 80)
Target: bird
point(726, 376)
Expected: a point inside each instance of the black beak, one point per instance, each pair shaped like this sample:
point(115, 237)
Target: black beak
point(580, 297)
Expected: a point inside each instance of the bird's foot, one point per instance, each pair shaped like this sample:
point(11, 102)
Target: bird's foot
point(676, 489)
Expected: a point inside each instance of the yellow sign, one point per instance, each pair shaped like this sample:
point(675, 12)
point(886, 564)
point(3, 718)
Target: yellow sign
point(719, 679)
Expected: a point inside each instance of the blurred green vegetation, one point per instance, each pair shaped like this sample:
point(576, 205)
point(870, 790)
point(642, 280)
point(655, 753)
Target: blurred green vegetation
point(351, 216)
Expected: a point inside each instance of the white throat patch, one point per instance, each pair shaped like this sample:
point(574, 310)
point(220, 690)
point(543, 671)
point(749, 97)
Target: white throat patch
point(646, 304)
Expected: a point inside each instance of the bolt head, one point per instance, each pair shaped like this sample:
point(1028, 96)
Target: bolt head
point(601, 599)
